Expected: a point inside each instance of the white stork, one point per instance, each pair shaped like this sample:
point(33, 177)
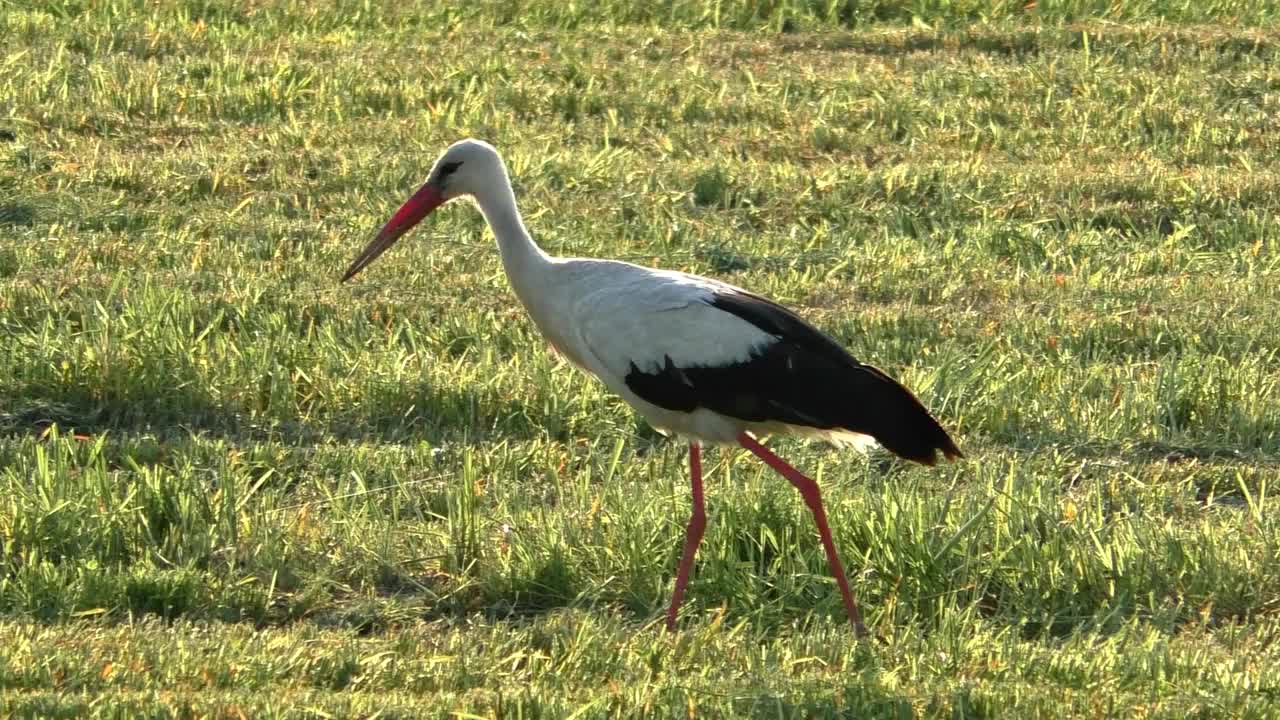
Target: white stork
point(698, 358)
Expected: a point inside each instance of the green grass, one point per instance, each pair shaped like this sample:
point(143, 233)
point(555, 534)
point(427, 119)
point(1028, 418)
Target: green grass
point(229, 485)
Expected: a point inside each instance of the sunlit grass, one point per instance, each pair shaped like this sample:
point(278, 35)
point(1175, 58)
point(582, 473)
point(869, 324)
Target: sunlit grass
point(229, 483)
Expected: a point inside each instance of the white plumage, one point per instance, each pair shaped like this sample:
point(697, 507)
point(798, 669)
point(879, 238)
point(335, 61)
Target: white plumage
point(696, 357)
point(626, 314)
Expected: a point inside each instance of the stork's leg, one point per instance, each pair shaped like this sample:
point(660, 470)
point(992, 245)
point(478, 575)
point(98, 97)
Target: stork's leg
point(692, 534)
point(809, 490)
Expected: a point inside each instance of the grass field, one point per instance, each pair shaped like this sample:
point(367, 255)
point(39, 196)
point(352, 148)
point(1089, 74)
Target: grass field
point(230, 487)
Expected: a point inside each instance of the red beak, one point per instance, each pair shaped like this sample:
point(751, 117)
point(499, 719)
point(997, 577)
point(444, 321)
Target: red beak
point(427, 198)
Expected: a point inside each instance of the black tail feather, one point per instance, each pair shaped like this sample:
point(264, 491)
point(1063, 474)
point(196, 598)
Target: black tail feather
point(882, 408)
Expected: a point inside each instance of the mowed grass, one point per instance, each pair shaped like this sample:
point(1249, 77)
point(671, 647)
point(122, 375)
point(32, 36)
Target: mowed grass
point(230, 486)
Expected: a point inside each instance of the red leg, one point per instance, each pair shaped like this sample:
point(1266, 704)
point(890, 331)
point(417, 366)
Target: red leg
point(692, 534)
point(809, 491)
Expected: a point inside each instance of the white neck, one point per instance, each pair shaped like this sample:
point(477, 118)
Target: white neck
point(525, 263)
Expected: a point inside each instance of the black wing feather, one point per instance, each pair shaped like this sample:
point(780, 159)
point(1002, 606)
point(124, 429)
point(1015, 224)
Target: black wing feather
point(804, 378)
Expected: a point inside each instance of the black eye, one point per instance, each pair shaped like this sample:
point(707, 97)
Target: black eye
point(448, 168)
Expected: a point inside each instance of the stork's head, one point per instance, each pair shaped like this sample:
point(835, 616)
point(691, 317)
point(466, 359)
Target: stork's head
point(468, 167)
